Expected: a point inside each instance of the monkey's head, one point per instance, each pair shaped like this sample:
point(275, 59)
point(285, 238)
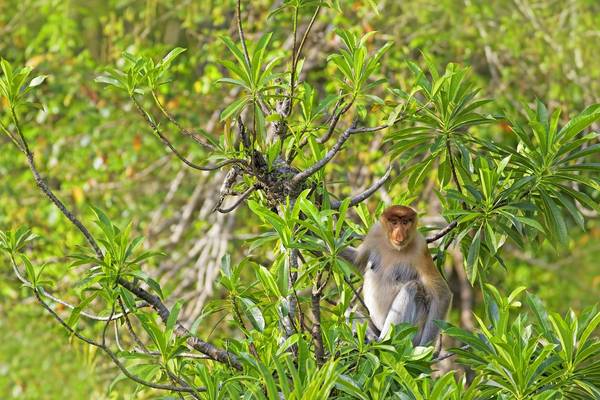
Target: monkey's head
point(399, 223)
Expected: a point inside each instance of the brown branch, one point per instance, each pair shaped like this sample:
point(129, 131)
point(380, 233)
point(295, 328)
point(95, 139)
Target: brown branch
point(204, 347)
point(297, 52)
point(200, 140)
point(443, 232)
point(192, 341)
point(335, 204)
point(168, 144)
point(241, 31)
point(134, 336)
point(302, 176)
point(112, 355)
point(239, 201)
point(448, 354)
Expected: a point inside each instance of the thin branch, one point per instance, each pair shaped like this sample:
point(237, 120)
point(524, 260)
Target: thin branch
point(335, 204)
point(302, 176)
point(294, 57)
point(12, 138)
point(443, 232)
point(107, 324)
point(307, 31)
point(333, 123)
point(356, 293)
point(154, 301)
point(163, 312)
point(448, 354)
point(168, 144)
point(46, 190)
point(239, 201)
point(112, 355)
point(200, 140)
point(134, 336)
point(453, 167)
point(241, 31)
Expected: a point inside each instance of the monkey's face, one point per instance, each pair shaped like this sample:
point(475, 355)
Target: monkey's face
point(400, 225)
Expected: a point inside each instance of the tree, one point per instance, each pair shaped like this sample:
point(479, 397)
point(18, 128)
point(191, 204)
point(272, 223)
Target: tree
point(281, 138)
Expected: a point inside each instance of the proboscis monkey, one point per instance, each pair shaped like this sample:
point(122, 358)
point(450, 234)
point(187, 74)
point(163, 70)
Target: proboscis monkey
point(401, 282)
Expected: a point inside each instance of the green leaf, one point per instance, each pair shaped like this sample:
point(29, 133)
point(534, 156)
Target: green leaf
point(74, 317)
point(590, 115)
point(172, 55)
point(173, 315)
point(253, 314)
point(234, 108)
point(473, 257)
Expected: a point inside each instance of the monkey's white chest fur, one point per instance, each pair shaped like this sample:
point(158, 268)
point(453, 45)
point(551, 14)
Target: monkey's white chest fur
point(382, 284)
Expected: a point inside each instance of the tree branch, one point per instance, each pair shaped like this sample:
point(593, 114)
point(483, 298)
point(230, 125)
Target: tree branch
point(239, 201)
point(168, 144)
point(184, 131)
point(335, 204)
point(443, 232)
point(302, 176)
point(204, 347)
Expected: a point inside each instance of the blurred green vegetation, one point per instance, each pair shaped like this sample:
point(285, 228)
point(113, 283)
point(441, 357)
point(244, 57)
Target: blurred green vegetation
point(96, 151)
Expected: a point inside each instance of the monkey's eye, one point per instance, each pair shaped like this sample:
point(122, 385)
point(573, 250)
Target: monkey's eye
point(405, 222)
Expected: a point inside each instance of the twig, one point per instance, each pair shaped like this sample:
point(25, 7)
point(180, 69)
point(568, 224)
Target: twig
point(241, 31)
point(183, 130)
point(296, 53)
point(335, 204)
point(168, 144)
point(112, 355)
point(356, 294)
point(303, 175)
point(443, 232)
point(448, 354)
point(204, 347)
point(239, 201)
point(134, 336)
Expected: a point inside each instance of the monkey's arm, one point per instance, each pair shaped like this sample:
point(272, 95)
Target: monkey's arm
point(441, 296)
point(350, 254)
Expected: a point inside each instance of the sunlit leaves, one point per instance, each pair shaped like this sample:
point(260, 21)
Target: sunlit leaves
point(524, 358)
point(254, 75)
point(140, 72)
point(357, 67)
point(122, 257)
point(14, 85)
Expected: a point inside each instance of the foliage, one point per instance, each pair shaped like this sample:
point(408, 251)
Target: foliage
point(287, 133)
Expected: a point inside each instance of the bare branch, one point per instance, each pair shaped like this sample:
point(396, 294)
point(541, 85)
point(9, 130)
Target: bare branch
point(134, 336)
point(333, 123)
point(239, 201)
point(301, 176)
point(198, 139)
point(154, 301)
point(168, 144)
point(307, 31)
point(443, 232)
point(241, 31)
point(448, 354)
point(297, 52)
point(335, 204)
